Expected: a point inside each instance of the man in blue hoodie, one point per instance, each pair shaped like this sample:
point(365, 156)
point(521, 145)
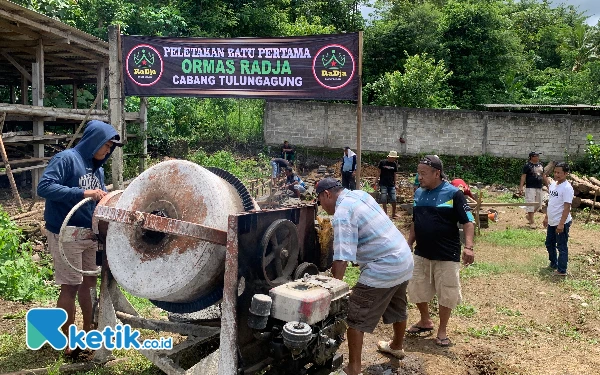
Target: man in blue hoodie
point(71, 176)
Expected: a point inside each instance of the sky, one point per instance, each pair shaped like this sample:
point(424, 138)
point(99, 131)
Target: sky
point(590, 8)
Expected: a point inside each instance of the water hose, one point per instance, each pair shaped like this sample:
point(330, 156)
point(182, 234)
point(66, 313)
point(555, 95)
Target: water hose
point(61, 235)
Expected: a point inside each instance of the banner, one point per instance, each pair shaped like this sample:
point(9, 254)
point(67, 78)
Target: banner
point(315, 67)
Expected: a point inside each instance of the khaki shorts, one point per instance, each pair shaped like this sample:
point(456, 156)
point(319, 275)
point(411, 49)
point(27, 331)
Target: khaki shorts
point(367, 305)
point(435, 277)
point(81, 254)
point(533, 196)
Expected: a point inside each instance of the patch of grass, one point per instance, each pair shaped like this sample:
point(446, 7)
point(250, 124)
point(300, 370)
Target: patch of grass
point(508, 312)
point(515, 238)
point(142, 305)
point(351, 275)
point(591, 226)
point(480, 269)
point(497, 330)
point(465, 310)
point(21, 279)
point(508, 198)
point(17, 315)
point(571, 331)
point(588, 286)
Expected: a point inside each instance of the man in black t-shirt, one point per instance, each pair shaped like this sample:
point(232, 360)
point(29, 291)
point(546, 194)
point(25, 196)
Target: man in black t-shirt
point(387, 182)
point(437, 210)
point(533, 178)
point(287, 152)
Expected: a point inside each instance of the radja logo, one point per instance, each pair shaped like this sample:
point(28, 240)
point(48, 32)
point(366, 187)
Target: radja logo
point(144, 65)
point(333, 66)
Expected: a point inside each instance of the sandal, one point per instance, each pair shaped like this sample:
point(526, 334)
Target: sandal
point(415, 330)
point(384, 347)
point(443, 342)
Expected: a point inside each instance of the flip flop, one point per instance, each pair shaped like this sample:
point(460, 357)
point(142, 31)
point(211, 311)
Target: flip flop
point(443, 342)
point(384, 347)
point(415, 329)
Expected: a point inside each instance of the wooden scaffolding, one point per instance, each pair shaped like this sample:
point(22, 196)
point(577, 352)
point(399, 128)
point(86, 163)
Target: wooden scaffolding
point(36, 52)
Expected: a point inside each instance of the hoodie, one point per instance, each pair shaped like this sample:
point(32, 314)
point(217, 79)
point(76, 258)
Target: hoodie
point(69, 173)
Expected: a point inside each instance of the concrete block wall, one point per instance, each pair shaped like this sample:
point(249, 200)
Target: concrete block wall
point(450, 132)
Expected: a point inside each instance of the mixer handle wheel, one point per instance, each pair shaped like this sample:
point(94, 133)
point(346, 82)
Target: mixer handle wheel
point(280, 252)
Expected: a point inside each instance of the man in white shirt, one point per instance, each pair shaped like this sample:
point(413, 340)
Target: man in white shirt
point(558, 219)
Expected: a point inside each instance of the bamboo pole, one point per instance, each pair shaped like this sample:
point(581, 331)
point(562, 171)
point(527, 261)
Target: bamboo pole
point(359, 112)
point(477, 209)
point(11, 178)
point(593, 206)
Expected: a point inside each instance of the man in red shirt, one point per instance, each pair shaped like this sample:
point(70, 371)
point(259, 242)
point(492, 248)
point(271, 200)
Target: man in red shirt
point(462, 185)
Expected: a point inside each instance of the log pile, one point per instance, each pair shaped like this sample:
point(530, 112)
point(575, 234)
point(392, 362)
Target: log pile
point(587, 191)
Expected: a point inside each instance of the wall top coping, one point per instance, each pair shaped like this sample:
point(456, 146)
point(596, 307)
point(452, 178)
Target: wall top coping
point(370, 108)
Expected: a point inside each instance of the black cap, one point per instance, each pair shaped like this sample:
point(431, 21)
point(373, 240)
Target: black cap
point(346, 147)
point(434, 162)
point(116, 140)
point(534, 153)
point(326, 184)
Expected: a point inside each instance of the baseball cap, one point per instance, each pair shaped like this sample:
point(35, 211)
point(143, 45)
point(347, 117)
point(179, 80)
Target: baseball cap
point(346, 147)
point(534, 153)
point(326, 184)
point(116, 140)
point(434, 162)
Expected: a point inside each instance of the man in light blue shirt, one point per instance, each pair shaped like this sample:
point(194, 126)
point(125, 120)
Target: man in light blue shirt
point(348, 169)
point(363, 234)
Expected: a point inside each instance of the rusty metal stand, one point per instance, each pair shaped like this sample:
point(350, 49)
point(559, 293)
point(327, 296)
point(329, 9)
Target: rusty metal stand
point(115, 308)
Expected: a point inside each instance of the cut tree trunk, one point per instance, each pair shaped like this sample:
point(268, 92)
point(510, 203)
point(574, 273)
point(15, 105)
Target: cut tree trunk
point(590, 203)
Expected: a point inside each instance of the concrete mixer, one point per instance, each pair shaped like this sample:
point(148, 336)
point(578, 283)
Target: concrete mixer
point(189, 238)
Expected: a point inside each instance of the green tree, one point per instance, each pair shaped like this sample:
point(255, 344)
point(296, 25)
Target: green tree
point(401, 27)
point(481, 48)
point(424, 84)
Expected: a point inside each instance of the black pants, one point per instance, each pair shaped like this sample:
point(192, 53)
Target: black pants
point(348, 181)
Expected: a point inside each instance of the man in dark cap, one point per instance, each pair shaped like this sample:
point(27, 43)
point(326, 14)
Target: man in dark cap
point(364, 234)
point(438, 209)
point(533, 178)
point(71, 176)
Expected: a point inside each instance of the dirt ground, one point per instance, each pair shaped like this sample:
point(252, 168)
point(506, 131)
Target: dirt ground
point(556, 330)
point(523, 320)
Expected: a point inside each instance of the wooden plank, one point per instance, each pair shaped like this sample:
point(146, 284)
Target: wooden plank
point(24, 161)
point(59, 113)
point(20, 30)
point(144, 131)
point(115, 91)
point(11, 178)
point(14, 62)
point(88, 43)
point(70, 64)
point(19, 170)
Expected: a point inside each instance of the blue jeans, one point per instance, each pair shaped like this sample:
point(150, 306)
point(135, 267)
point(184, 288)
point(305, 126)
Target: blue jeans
point(554, 240)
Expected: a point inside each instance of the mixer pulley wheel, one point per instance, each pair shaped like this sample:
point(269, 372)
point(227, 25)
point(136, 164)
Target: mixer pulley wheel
point(280, 252)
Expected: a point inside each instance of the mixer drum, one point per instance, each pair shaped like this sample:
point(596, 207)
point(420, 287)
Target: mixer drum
point(164, 267)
